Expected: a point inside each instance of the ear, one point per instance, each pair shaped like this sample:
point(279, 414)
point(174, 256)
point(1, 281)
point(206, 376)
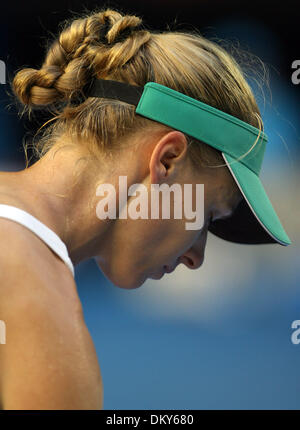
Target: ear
point(168, 155)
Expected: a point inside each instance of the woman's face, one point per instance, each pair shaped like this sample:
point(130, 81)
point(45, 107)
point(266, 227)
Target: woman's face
point(148, 248)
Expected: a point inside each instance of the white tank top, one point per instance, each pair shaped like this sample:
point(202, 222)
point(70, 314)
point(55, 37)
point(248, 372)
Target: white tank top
point(40, 229)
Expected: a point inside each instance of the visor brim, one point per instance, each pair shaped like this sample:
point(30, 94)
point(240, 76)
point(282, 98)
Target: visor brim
point(254, 220)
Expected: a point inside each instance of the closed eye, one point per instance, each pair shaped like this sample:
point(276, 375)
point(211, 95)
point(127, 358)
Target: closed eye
point(217, 218)
point(228, 215)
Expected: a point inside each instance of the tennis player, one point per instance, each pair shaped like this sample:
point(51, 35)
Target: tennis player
point(155, 107)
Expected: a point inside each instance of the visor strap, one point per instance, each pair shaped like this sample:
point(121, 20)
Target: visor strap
point(121, 91)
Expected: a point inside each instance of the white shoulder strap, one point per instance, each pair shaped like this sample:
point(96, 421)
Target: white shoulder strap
point(40, 229)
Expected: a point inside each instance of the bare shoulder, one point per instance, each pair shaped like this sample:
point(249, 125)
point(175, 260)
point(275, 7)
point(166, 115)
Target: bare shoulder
point(22, 252)
point(49, 360)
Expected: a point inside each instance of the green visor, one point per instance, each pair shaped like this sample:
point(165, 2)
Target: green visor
point(242, 146)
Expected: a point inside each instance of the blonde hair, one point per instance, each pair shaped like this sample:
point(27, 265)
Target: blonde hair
point(109, 44)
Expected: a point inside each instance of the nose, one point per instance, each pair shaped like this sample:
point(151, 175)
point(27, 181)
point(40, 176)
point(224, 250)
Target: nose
point(192, 259)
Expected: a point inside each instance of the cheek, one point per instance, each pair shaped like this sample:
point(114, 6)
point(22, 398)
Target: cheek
point(145, 249)
point(171, 240)
point(147, 245)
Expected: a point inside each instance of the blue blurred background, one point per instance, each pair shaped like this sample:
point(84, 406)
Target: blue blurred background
point(218, 337)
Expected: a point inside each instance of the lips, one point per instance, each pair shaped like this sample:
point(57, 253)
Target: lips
point(160, 274)
point(157, 275)
point(168, 269)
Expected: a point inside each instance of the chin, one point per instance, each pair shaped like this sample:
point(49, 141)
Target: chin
point(129, 281)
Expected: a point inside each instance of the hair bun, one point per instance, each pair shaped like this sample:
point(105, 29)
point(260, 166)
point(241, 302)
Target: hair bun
point(116, 31)
point(78, 54)
point(28, 84)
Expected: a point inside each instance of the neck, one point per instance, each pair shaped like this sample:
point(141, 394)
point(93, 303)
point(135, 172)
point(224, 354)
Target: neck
point(60, 191)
